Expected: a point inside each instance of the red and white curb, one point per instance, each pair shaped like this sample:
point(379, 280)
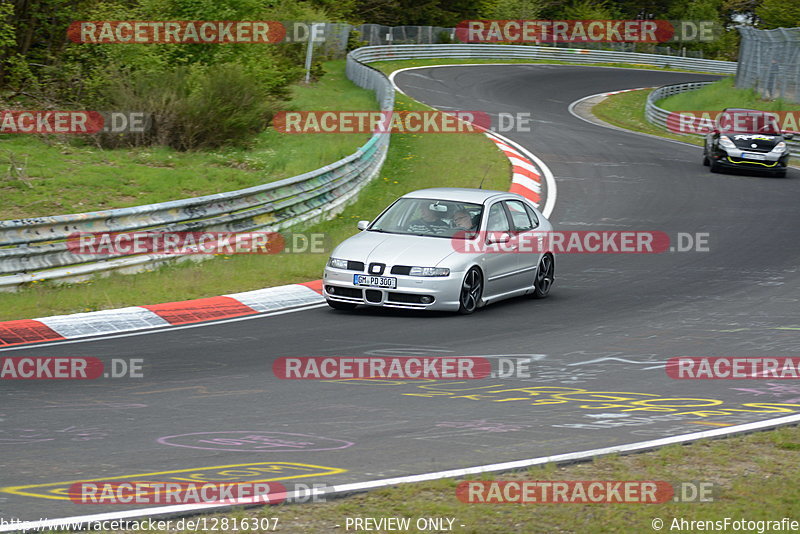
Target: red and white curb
point(80, 325)
point(525, 178)
point(528, 174)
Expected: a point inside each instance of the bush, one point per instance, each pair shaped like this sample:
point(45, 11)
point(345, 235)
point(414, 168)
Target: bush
point(191, 107)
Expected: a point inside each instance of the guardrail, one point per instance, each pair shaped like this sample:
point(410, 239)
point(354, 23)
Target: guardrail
point(369, 54)
point(658, 116)
point(35, 248)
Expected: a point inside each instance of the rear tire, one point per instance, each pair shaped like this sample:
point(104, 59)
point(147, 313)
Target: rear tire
point(341, 306)
point(471, 292)
point(545, 276)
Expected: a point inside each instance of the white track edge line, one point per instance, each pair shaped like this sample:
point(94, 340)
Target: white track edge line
point(603, 124)
point(571, 109)
point(436, 475)
point(550, 202)
point(358, 486)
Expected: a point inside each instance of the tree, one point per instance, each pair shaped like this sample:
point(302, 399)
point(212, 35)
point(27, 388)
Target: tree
point(589, 10)
point(513, 9)
point(778, 14)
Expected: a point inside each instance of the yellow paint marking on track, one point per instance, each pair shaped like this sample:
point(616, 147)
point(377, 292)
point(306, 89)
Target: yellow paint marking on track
point(709, 423)
point(252, 472)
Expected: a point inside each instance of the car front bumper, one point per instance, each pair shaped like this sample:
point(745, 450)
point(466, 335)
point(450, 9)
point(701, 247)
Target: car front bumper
point(338, 286)
point(732, 159)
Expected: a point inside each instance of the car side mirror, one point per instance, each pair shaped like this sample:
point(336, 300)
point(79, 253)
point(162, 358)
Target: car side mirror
point(788, 136)
point(362, 225)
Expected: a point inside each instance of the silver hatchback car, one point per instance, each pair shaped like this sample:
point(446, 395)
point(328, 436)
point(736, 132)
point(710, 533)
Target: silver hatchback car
point(444, 249)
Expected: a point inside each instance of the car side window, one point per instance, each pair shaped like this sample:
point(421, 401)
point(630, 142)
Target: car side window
point(532, 215)
point(519, 216)
point(497, 221)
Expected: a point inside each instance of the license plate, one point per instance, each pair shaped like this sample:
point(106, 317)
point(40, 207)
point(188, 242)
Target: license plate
point(374, 281)
point(750, 155)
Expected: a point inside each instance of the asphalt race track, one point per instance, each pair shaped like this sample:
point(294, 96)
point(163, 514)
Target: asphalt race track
point(596, 347)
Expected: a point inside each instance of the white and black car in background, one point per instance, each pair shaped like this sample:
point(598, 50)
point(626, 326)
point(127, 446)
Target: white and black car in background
point(747, 139)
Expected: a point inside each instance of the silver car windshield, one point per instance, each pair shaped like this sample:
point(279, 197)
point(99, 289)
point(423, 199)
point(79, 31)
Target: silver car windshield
point(430, 217)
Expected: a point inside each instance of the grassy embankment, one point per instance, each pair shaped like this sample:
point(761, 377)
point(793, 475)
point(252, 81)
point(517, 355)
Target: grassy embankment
point(414, 161)
point(626, 110)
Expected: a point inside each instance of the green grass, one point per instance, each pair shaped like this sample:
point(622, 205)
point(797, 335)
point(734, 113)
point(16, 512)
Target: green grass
point(414, 161)
point(720, 95)
point(87, 178)
point(754, 476)
point(626, 110)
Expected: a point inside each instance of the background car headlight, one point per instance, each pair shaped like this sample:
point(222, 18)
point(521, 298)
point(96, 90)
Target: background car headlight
point(780, 147)
point(337, 263)
point(725, 142)
point(429, 271)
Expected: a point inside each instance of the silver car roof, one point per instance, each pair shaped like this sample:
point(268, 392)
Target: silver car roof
point(458, 194)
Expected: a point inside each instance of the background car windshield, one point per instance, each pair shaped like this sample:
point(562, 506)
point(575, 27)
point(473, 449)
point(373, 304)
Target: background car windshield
point(430, 217)
point(744, 122)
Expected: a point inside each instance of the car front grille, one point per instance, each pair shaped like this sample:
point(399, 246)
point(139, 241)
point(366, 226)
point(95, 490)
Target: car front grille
point(373, 295)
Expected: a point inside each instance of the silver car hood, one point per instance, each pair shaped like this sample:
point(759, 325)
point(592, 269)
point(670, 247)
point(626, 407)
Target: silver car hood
point(395, 249)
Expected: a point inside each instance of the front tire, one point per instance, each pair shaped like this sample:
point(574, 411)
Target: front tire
point(341, 306)
point(713, 166)
point(545, 276)
point(706, 162)
point(471, 291)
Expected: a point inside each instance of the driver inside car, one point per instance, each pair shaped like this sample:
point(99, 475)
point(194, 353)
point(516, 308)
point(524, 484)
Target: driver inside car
point(462, 220)
point(429, 223)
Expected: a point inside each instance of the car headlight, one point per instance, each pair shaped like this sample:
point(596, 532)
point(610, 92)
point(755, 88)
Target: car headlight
point(429, 271)
point(780, 147)
point(337, 263)
point(725, 142)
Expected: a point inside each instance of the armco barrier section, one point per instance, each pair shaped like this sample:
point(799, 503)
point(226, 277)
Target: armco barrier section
point(35, 248)
point(658, 116)
point(369, 54)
